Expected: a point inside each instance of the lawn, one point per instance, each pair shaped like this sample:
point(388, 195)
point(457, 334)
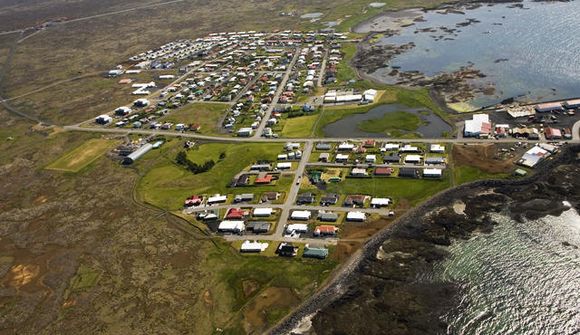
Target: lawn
point(207, 115)
point(167, 184)
point(392, 123)
point(299, 127)
point(80, 157)
point(248, 280)
point(465, 174)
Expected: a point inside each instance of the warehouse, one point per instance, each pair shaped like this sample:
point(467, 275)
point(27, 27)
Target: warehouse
point(135, 155)
point(549, 107)
point(478, 126)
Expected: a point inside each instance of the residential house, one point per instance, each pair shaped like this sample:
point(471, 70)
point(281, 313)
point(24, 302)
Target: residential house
point(301, 215)
point(358, 172)
point(327, 216)
point(329, 199)
point(259, 227)
point(234, 227)
point(325, 230)
point(305, 198)
point(409, 173)
point(246, 197)
point(255, 246)
point(356, 217)
point(287, 250)
point(432, 173)
point(355, 201)
point(319, 253)
point(383, 171)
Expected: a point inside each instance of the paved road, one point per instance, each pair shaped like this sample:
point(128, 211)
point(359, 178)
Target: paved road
point(322, 70)
point(294, 189)
point(124, 131)
point(365, 165)
point(276, 97)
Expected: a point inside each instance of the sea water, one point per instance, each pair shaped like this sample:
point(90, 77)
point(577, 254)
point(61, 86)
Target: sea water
point(523, 278)
point(531, 52)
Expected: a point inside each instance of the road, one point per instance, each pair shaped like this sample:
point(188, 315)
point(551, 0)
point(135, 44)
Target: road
point(294, 189)
point(277, 95)
point(365, 165)
point(125, 131)
point(322, 70)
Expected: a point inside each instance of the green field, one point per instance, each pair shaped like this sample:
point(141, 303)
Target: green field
point(207, 115)
point(394, 124)
point(80, 157)
point(291, 279)
point(465, 174)
point(167, 184)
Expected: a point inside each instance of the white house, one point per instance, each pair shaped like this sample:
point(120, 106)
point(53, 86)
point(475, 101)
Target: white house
point(437, 148)
point(341, 158)
point(301, 215)
point(356, 216)
point(297, 228)
point(245, 132)
point(389, 147)
point(358, 172)
point(346, 146)
point(371, 158)
point(255, 246)
point(263, 212)
point(432, 173)
point(409, 148)
point(103, 119)
point(413, 159)
point(284, 166)
point(216, 199)
point(231, 226)
point(380, 202)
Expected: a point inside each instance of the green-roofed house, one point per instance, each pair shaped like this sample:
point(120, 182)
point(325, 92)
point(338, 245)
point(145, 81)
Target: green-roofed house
point(320, 253)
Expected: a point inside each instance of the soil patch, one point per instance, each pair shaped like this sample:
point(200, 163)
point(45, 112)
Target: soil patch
point(483, 157)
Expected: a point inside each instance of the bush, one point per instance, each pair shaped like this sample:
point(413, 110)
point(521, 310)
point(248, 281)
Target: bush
point(195, 168)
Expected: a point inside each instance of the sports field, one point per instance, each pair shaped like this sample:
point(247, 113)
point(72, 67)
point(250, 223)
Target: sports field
point(83, 155)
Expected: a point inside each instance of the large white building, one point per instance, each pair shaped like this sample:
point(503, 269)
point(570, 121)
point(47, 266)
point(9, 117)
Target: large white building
point(478, 126)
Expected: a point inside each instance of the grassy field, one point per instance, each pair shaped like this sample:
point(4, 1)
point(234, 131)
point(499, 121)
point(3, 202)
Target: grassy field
point(465, 174)
point(167, 184)
point(299, 127)
point(207, 115)
point(396, 123)
point(251, 280)
point(82, 156)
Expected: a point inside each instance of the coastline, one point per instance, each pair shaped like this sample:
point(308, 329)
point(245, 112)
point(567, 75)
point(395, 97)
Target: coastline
point(343, 282)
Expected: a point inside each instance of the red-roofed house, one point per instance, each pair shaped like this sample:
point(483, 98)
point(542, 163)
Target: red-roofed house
point(235, 214)
point(264, 180)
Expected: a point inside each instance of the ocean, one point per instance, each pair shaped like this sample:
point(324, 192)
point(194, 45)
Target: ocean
point(530, 52)
point(523, 278)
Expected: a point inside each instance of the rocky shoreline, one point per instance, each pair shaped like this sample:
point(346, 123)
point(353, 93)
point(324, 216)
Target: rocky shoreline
point(458, 86)
point(380, 288)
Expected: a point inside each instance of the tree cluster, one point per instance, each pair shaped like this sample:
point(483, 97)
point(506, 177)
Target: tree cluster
point(194, 168)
